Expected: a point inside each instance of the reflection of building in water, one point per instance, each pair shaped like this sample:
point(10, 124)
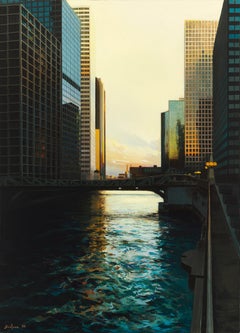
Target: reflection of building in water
point(97, 226)
point(199, 42)
point(100, 130)
point(30, 96)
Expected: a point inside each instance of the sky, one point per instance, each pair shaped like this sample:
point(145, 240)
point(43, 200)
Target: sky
point(138, 52)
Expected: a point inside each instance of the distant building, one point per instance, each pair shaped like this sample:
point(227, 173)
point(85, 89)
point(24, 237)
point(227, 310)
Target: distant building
point(226, 93)
point(59, 18)
point(164, 140)
point(87, 142)
point(136, 172)
point(176, 134)
point(30, 96)
point(100, 101)
point(122, 176)
point(198, 95)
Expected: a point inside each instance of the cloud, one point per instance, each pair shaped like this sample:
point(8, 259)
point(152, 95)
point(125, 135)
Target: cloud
point(132, 151)
point(138, 51)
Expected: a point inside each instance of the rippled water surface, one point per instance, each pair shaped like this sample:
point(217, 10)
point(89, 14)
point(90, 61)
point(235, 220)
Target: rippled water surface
point(105, 263)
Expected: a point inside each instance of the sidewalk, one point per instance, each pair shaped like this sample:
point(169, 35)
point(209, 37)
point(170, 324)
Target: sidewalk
point(226, 273)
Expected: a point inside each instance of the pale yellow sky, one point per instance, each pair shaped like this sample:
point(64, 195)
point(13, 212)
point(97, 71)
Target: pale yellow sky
point(139, 55)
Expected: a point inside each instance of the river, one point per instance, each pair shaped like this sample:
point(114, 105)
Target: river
point(105, 262)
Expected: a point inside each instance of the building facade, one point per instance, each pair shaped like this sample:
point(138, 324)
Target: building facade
point(30, 96)
point(87, 141)
point(164, 140)
point(71, 97)
point(59, 18)
point(226, 93)
point(198, 95)
point(137, 172)
point(176, 134)
point(100, 101)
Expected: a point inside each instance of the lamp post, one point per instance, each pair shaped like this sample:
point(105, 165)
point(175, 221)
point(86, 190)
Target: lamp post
point(210, 165)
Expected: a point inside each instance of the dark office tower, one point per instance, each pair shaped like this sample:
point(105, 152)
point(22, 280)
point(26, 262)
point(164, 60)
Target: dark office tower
point(164, 140)
point(226, 93)
point(100, 101)
point(30, 96)
point(198, 94)
point(59, 18)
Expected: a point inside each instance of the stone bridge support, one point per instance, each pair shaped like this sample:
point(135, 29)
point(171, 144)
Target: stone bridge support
point(185, 198)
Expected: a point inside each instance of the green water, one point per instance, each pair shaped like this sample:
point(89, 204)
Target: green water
point(105, 263)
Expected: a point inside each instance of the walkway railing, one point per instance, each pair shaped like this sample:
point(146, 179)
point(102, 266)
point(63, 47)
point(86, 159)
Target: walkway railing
point(209, 305)
point(202, 318)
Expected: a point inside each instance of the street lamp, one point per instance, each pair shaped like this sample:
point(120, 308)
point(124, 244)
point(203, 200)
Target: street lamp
point(210, 165)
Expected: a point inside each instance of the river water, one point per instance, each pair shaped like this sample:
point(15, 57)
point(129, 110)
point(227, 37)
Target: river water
point(105, 263)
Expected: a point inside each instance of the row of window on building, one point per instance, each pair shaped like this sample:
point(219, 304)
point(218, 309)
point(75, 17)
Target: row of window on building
point(40, 92)
point(189, 137)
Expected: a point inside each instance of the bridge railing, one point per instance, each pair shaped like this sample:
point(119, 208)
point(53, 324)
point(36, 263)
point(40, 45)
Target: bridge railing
point(138, 183)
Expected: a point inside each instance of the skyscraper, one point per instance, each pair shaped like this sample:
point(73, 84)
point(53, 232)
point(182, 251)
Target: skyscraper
point(58, 17)
point(199, 42)
point(176, 134)
point(30, 96)
point(100, 101)
point(87, 141)
point(71, 98)
point(226, 92)
point(164, 140)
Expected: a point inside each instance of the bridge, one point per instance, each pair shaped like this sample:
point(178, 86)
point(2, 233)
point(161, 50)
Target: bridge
point(143, 183)
point(15, 191)
point(214, 265)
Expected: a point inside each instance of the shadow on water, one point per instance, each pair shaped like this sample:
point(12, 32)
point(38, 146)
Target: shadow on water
point(84, 264)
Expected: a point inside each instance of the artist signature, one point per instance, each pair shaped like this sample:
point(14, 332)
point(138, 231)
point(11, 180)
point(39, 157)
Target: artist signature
point(11, 327)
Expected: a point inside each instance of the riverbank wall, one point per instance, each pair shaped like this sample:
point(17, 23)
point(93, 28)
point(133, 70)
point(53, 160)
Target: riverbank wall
point(192, 201)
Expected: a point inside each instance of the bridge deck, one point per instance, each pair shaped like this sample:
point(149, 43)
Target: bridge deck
point(226, 273)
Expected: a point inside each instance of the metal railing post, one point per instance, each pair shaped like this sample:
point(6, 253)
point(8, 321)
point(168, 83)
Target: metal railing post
point(209, 306)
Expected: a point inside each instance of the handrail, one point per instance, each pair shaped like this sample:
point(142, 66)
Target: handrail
point(227, 218)
point(209, 305)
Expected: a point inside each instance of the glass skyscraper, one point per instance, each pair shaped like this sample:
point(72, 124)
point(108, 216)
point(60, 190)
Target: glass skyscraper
point(59, 18)
point(164, 140)
point(30, 96)
point(198, 95)
point(172, 136)
point(176, 134)
point(226, 92)
point(71, 50)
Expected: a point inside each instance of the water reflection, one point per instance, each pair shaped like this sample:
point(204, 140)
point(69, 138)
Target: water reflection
point(104, 263)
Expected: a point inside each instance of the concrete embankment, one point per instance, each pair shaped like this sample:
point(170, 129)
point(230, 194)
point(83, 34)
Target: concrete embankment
point(225, 273)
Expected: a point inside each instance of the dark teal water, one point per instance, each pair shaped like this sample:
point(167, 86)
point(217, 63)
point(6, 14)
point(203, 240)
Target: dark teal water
point(105, 263)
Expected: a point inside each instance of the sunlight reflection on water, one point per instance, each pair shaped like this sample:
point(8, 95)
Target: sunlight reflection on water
point(110, 265)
